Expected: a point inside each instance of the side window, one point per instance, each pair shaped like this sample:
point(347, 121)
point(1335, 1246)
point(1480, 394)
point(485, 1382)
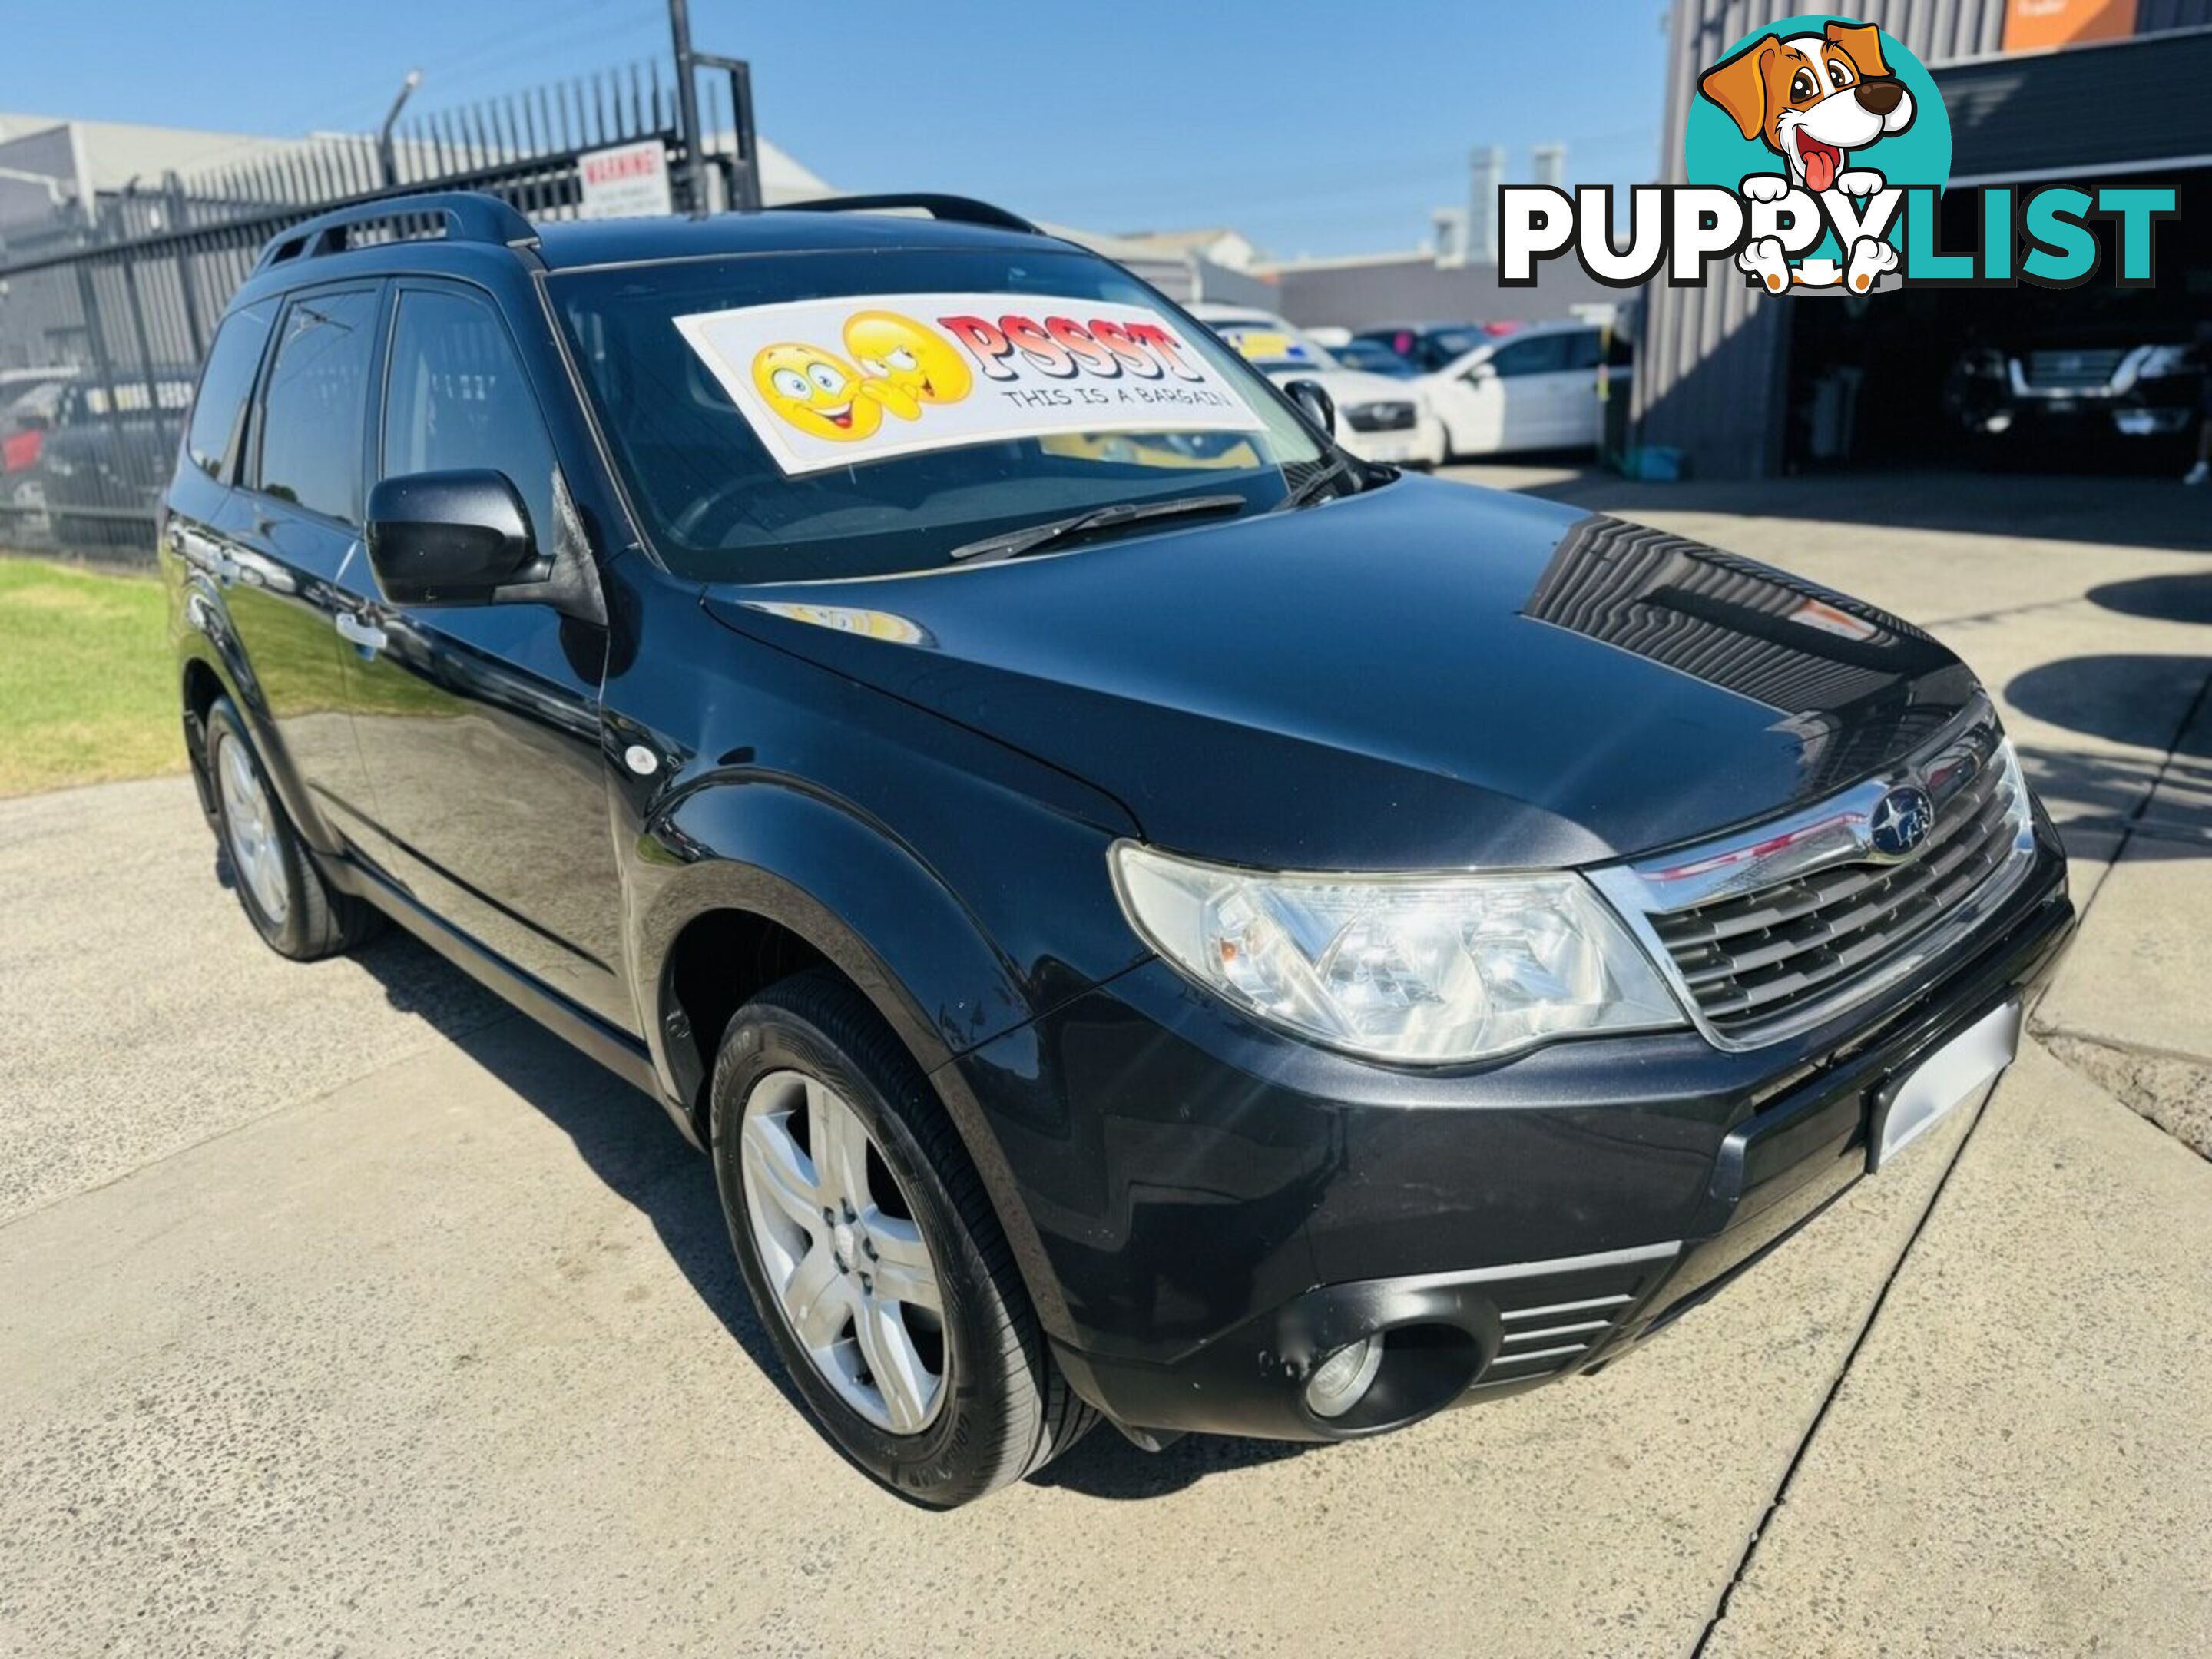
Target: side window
point(313, 410)
point(1540, 354)
point(1584, 350)
point(225, 385)
point(457, 400)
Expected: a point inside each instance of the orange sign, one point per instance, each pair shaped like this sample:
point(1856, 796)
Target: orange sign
point(2032, 23)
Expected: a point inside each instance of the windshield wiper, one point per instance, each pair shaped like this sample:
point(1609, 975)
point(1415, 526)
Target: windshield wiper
point(1015, 542)
point(1304, 495)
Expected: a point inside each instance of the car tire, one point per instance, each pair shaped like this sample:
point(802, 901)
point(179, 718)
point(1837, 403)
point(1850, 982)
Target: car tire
point(296, 912)
point(809, 1052)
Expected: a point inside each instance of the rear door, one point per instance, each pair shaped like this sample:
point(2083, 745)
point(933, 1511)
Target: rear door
point(480, 724)
point(286, 549)
point(209, 460)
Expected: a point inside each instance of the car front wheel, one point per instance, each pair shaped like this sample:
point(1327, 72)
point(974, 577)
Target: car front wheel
point(872, 1252)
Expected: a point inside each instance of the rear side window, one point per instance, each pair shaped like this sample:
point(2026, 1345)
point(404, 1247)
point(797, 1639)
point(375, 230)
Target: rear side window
point(225, 385)
point(314, 412)
point(1584, 351)
point(457, 400)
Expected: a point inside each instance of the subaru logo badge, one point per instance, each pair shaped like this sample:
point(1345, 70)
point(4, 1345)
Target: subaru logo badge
point(1901, 821)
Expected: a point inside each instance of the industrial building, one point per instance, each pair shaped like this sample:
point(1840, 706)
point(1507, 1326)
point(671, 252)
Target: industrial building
point(2038, 91)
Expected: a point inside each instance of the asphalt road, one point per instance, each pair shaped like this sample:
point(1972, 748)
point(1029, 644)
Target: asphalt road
point(346, 1312)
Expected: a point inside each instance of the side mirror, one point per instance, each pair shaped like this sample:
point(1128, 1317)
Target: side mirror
point(1319, 408)
point(1484, 370)
point(449, 538)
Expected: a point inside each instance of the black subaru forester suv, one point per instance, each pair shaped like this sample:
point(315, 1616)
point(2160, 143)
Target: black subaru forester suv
point(1149, 916)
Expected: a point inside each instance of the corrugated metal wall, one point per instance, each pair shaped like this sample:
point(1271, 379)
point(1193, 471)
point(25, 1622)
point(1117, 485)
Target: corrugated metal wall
point(1709, 378)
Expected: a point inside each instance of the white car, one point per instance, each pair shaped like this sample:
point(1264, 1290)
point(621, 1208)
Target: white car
point(1377, 418)
point(1536, 388)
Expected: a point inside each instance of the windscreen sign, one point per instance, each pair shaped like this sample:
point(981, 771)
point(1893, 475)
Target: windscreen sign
point(827, 383)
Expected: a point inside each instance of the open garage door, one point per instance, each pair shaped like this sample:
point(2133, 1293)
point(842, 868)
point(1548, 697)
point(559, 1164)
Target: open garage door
point(2082, 379)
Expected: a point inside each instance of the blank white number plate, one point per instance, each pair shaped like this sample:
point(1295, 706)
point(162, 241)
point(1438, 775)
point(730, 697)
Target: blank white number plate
point(1954, 1073)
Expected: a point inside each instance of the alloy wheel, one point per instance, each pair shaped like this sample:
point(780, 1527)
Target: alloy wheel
point(257, 854)
point(852, 1275)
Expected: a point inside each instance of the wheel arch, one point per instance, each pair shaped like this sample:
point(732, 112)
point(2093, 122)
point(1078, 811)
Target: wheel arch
point(779, 879)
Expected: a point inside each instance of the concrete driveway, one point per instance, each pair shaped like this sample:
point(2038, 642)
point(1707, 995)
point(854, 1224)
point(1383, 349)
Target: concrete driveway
point(345, 1312)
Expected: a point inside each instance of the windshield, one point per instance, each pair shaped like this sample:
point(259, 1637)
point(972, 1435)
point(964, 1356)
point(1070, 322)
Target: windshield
point(1272, 345)
point(730, 392)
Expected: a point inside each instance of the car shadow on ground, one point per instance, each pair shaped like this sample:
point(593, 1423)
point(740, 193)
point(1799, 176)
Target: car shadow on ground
point(621, 1134)
point(627, 1141)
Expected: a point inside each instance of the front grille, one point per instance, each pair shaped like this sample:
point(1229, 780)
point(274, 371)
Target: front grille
point(2071, 371)
point(1748, 958)
point(1380, 417)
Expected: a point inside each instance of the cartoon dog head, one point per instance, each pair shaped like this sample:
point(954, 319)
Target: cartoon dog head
point(1812, 98)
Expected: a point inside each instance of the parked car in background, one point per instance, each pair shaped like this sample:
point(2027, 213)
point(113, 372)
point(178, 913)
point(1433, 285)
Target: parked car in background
point(2092, 381)
point(1378, 418)
point(1427, 347)
point(1372, 357)
point(30, 399)
point(102, 464)
point(1535, 389)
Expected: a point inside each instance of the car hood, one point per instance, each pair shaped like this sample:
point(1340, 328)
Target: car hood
point(1347, 387)
point(1423, 675)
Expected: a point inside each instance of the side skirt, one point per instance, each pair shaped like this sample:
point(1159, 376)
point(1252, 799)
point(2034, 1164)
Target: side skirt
point(618, 1051)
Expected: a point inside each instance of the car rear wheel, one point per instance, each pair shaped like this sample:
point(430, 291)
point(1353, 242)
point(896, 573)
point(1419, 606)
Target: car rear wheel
point(297, 913)
point(872, 1252)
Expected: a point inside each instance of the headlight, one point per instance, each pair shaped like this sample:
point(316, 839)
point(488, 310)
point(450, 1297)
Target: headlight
point(1426, 968)
point(2156, 362)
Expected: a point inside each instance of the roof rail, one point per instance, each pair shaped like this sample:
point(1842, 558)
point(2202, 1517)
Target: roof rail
point(958, 209)
point(469, 215)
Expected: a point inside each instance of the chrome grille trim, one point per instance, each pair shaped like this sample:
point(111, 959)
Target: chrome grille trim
point(1822, 922)
point(2091, 369)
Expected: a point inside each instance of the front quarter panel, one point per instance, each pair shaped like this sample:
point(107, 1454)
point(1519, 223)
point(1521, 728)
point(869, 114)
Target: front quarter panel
point(963, 885)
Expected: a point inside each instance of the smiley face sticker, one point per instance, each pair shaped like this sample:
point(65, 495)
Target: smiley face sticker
point(817, 391)
point(907, 363)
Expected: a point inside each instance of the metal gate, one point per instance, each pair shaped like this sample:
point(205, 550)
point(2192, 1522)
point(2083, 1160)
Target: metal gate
point(105, 316)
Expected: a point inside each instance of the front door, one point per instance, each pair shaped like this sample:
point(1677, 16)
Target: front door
point(480, 724)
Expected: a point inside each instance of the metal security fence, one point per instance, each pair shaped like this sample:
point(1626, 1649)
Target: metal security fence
point(106, 312)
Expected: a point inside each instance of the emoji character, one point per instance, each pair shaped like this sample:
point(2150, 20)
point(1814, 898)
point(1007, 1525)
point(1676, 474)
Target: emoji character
point(815, 392)
point(906, 364)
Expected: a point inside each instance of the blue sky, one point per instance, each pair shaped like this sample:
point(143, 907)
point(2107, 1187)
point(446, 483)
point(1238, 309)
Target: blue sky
point(1316, 128)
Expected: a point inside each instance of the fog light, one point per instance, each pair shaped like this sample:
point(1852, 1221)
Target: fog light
point(2000, 421)
point(1341, 1380)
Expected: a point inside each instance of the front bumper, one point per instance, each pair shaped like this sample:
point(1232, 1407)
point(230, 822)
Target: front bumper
point(1218, 1209)
point(1421, 444)
point(2164, 406)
